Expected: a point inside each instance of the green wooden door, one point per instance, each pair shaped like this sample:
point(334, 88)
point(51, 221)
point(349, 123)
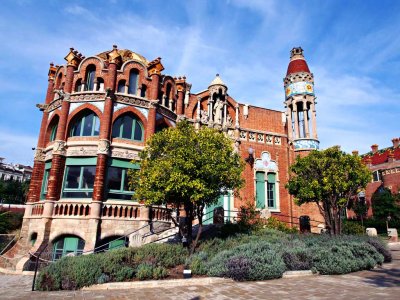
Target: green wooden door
point(260, 190)
point(70, 245)
point(208, 217)
point(116, 244)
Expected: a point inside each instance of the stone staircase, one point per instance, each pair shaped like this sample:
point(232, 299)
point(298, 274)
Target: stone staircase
point(169, 236)
point(15, 254)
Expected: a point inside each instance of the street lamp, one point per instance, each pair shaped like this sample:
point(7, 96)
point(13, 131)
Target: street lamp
point(250, 158)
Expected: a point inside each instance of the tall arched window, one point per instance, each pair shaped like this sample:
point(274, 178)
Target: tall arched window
point(143, 91)
point(128, 127)
point(133, 81)
point(53, 132)
point(168, 94)
point(90, 75)
point(266, 190)
point(86, 125)
point(121, 86)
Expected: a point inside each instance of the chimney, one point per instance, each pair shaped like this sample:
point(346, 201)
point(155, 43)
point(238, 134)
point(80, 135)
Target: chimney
point(374, 148)
point(355, 152)
point(396, 142)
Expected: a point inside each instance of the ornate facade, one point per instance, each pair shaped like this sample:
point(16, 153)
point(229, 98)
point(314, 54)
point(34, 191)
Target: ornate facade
point(97, 115)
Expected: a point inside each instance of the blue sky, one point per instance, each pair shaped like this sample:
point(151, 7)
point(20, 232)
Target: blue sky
point(352, 47)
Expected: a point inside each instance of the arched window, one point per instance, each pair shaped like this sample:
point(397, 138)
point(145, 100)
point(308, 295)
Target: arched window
point(86, 125)
point(128, 127)
point(266, 190)
point(66, 245)
point(133, 81)
point(100, 84)
point(78, 84)
point(90, 75)
point(53, 132)
point(143, 91)
point(58, 81)
point(168, 95)
point(121, 86)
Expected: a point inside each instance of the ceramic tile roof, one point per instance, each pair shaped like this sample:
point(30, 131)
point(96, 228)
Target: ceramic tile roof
point(296, 66)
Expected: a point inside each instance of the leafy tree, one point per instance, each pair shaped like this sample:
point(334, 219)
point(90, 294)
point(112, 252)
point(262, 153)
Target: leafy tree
point(328, 178)
point(385, 204)
point(186, 167)
point(13, 191)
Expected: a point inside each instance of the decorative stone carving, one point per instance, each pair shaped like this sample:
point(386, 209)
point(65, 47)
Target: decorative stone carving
point(229, 121)
point(82, 151)
point(260, 138)
point(243, 135)
point(252, 136)
point(41, 107)
point(166, 113)
point(268, 139)
point(231, 133)
point(277, 140)
point(133, 100)
point(103, 147)
point(203, 116)
point(83, 97)
point(125, 154)
point(265, 163)
point(40, 155)
point(59, 147)
point(54, 105)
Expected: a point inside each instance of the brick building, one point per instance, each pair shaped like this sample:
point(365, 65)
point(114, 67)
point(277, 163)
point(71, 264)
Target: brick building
point(385, 167)
point(98, 113)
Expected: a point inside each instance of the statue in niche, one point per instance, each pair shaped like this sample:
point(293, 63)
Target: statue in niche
point(219, 105)
point(229, 121)
point(204, 116)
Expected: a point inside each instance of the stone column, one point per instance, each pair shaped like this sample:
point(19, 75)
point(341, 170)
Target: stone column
point(58, 161)
point(296, 121)
point(305, 116)
point(314, 121)
point(38, 162)
point(289, 120)
point(179, 104)
point(105, 128)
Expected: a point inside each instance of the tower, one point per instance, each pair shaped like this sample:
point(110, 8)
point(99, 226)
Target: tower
point(300, 103)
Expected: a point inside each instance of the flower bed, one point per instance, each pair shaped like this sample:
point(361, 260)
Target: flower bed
point(265, 254)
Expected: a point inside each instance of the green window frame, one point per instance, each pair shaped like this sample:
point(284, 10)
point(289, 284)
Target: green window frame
point(45, 181)
point(79, 177)
point(128, 127)
point(67, 245)
point(87, 125)
point(260, 190)
point(53, 133)
point(117, 179)
point(271, 190)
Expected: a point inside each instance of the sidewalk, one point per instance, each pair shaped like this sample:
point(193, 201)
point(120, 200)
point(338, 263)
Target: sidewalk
point(380, 283)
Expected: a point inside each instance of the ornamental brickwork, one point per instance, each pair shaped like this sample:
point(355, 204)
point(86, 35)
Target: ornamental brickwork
point(97, 115)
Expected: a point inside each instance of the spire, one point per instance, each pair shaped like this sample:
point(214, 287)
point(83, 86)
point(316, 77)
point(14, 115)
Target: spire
point(297, 62)
point(217, 81)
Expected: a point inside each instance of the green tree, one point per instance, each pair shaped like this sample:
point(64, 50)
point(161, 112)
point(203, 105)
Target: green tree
point(385, 204)
point(328, 178)
point(186, 167)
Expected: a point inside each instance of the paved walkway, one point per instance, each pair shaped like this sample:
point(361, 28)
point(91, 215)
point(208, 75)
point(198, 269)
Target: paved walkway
point(380, 283)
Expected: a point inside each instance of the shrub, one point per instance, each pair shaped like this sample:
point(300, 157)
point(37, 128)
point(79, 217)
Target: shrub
point(297, 258)
point(197, 263)
point(144, 271)
point(352, 228)
point(160, 272)
point(381, 248)
point(265, 260)
point(124, 273)
point(238, 268)
point(165, 255)
point(274, 223)
point(104, 278)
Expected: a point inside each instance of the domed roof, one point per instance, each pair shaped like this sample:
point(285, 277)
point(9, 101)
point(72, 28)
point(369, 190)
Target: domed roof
point(297, 62)
point(125, 55)
point(217, 81)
